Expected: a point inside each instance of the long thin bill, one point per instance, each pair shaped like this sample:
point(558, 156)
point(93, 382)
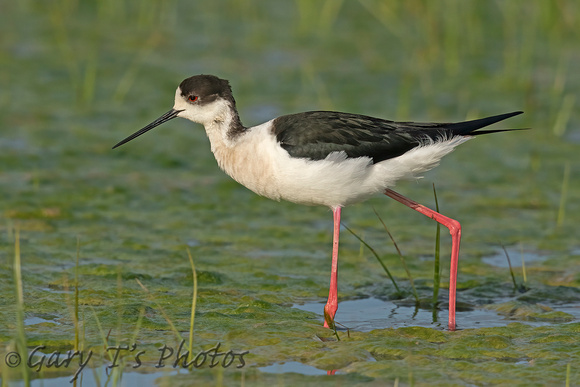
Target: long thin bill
point(164, 118)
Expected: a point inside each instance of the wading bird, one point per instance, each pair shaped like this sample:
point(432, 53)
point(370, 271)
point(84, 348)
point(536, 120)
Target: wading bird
point(322, 157)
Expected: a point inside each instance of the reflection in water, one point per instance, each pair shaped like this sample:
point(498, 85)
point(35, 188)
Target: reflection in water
point(372, 313)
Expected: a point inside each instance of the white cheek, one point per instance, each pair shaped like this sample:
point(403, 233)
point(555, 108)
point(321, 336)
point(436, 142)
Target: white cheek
point(218, 111)
point(189, 111)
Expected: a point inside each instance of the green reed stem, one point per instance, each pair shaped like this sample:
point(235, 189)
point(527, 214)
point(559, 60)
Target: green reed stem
point(376, 256)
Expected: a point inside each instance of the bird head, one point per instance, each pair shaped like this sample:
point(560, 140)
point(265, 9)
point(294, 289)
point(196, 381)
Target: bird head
point(204, 99)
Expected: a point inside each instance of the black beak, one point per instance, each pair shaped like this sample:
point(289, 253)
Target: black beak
point(164, 118)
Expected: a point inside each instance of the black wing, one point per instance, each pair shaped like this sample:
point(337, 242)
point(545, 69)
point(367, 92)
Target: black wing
point(314, 135)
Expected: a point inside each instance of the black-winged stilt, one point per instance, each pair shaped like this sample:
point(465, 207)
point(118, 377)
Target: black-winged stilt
point(322, 157)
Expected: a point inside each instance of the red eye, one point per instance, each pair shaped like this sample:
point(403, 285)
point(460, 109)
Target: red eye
point(192, 98)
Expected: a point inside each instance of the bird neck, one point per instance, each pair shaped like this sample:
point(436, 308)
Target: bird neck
point(225, 128)
point(234, 125)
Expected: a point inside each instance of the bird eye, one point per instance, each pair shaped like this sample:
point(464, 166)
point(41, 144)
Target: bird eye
point(192, 98)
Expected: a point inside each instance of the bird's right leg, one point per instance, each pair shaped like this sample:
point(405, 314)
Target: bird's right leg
point(455, 231)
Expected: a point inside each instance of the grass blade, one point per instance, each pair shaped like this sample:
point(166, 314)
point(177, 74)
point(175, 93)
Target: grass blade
point(376, 256)
point(193, 306)
point(21, 335)
point(160, 308)
point(563, 195)
point(403, 261)
point(76, 306)
point(510, 266)
point(523, 264)
point(437, 264)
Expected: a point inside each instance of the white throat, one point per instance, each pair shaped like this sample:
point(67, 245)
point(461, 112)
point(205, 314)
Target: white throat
point(218, 117)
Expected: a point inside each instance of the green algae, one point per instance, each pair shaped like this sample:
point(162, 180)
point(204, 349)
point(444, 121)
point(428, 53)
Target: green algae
point(72, 87)
point(524, 311)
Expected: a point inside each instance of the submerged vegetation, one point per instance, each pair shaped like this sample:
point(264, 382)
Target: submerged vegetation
point(95, 243)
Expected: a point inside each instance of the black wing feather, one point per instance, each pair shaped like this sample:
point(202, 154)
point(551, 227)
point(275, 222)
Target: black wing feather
point(314, 135)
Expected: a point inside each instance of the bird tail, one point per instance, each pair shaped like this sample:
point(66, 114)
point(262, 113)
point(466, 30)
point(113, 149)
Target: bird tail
point(470, 127)
point(495, 131)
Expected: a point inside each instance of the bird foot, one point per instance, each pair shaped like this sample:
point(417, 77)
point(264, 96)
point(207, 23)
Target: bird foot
point(329, 313)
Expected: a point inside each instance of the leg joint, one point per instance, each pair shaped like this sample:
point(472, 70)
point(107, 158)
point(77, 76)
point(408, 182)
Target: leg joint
point(454, 227)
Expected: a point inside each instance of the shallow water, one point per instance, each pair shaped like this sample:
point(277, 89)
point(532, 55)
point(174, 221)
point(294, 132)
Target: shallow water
point(367, 314)
point(98, 377)
point(292, 367)
point(517, 258)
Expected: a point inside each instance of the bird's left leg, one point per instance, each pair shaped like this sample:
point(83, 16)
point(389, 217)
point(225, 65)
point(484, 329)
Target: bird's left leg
point(455, 231)
point(332, 303)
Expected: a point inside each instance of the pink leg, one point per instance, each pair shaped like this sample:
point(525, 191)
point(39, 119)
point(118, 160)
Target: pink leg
point(332, 303)
point(455, 231)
